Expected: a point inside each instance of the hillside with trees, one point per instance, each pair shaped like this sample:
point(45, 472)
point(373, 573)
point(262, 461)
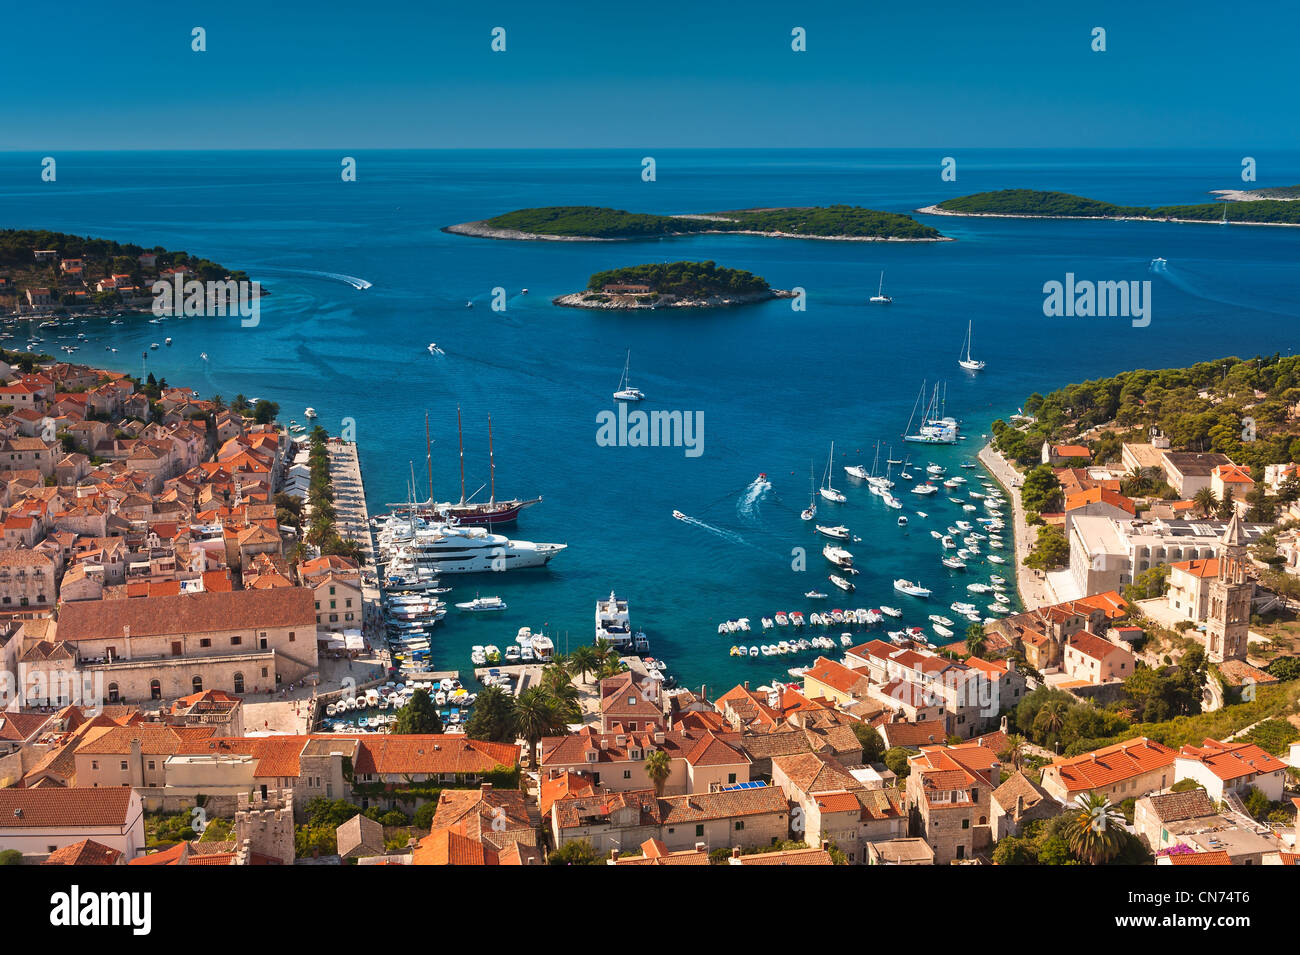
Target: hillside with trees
point(1031, 202)
point(597, 222)
point(682, 279)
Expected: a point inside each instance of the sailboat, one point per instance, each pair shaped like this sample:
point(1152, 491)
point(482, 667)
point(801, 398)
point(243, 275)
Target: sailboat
point(810, 511)
point(826, 490)
point(970, 364)
point(465, 511)
point(625, 390)
point(880, 298)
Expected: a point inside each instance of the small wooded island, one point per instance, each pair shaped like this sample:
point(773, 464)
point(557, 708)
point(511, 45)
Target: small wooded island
point(600, 224)
point(672, 285)
point(1034, 204)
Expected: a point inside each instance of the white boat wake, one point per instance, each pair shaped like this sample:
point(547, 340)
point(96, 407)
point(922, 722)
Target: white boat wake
point(1209, 292)
point(354, 281)
point(726, 535)
point(747, 505)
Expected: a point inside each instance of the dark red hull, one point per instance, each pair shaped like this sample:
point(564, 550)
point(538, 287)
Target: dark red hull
point(501, 512)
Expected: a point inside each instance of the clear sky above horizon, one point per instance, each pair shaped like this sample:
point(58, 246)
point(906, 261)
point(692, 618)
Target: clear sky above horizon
point(329, 74)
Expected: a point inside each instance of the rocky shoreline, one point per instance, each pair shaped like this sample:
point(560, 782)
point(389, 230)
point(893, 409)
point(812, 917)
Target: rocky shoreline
point(937, 211)
point(482, 230)
point(631, 302)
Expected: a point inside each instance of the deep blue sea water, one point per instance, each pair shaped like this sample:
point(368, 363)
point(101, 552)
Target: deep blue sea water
point(775, 386)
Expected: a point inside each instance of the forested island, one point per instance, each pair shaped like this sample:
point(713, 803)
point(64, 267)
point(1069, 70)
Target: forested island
point(671, 285)
point(597, 223)
point(85, 274)
point(1030, 203)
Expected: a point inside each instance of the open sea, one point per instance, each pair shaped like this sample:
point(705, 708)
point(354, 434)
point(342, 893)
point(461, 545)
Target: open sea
point(775, 386)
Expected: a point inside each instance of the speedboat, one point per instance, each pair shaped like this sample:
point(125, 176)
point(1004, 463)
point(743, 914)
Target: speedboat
point(846, 639)
point(940, 619)
point(782, 620)
point(839, 532)
point(310, 413)
point(954, 563)
point(891, 611)
point(815, 595)
point(925, 489)
point(841, 583)
point(435, 350)
point(997, 558)
point(679, 515)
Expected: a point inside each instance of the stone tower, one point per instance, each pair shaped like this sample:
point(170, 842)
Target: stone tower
point(1231, 593)
point(264, 825)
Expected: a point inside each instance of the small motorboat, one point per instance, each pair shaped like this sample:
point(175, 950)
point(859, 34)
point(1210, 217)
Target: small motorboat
point(310, 412)
point(838, 532)
point(902, 520)
point(435, 350)
point(904, 586)
point(815, 595)
point(942, 630)
point(843, 584)
point(479, 604)
point(891, 611)
point(782, 620)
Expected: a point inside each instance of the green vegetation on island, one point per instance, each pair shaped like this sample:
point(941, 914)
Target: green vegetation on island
point(596, 222)
point(1275, 192)
point(1030, 202)
point(681, 280)
point(99, 259)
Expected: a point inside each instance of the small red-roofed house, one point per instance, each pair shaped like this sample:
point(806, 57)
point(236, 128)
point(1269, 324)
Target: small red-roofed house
point(1058, 454)
point(1189, 587)
point(1231, 767)
point(1134, 767)
point(1093, 659)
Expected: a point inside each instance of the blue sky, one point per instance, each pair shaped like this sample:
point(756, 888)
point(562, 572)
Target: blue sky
point(663, 73)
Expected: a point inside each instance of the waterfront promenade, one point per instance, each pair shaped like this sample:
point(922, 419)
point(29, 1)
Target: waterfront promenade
point(1034, 588)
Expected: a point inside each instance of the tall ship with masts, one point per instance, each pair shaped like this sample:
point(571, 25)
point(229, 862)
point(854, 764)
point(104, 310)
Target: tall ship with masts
point(936, 427)
point(466, 510)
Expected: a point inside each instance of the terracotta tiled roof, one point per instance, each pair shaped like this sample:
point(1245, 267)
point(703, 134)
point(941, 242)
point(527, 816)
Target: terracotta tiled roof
point(811, 773)
point(595, 809)
point(1232, 760)
point(188, 613)
point(155, 739)
point(443, 847)
point(1091, 645)
point(85, 852)
point(1019, 786)
point(1218, 857)
point(62, 808)
point(835, 675)
point(919, 733)
point(725, 804)
point(1175, 807)
point(563, 786)
point(711, 751)
point(786, 857)
point(1106, 766)
point(1201, 567)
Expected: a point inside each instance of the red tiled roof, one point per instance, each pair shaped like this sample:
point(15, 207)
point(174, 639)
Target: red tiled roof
point(1232, 760)
point(80, 807)
point(1218, 857)
point(1111, 764)
point(85, 852)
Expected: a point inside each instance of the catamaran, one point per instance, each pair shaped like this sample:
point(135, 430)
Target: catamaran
point(826, 490)
point(625, 390)
point(970, 364)
point(880, 298)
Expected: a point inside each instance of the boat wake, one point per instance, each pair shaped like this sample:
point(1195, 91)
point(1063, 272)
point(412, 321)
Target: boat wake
point(726, 535)
point(748, 505)
point(356, 283)
point(1203, 289)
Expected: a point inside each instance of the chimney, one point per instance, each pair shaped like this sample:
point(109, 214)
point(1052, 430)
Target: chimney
point(826, 845)
point(700, 847)
point(613, 855)
point(747, 684)
point(704, 692)
point(735, 852)
point(485, 787)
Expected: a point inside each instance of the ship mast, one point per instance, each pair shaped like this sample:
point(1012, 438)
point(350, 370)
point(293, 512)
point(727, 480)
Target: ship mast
point(492, 464)
point(460, 440)
point(428, 457)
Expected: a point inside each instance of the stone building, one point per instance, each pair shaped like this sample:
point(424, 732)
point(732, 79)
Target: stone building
point(1231, 592)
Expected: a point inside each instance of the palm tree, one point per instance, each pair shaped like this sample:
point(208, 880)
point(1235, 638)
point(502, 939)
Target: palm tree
point(565, 697)
point(537, 715)
point(1206, 501)
point(1051, 718)
point(1095, 832)
point(1015, 751)
point(658, 767)
point(976, 640)
point(584, 659)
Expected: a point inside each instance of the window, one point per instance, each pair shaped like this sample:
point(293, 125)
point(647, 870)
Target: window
point(176, 648)
point(264, 671)
point(123, 764)
point(239, 682)
point(261, 643)
point(699, 830)
point(961, 852)
point(151, 764)
point(291, 636)
point(112, 693)
point(94, 764)
point(205, 642)
point(236, 641)
point(155, 690)
point(627, 774)
point(731, 778)
point(197, 683)
point(965, 823)
point(740, 824)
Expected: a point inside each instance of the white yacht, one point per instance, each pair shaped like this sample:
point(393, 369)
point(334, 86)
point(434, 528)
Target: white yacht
point(614, 625)
point(910, 588)
point(970, 364)
point(625, 390)
point(479, 604)
point(880, 298)
point(839, 532)
point(826, 491)
point(310, 413)
point(442, 548)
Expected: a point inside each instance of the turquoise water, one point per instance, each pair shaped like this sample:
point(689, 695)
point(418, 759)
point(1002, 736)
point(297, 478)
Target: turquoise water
point(775, 386)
